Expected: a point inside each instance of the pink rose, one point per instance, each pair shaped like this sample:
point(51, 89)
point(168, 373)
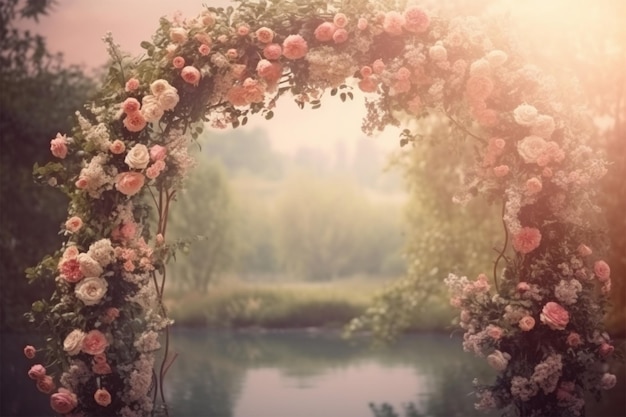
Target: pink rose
point(527, 323)
point(37, 371)
point(501, 170)
point(368, 85)
point(135, 122)
point(554, 316)
point(362, 23)
point(265, 35)
point(101, 368)
point(478, 88)
point(602, 270)
point(243, 30)
point(608, 381)
point(131, 105)
point(102, 397)
point(94, 342)
point(63, 401)
point(158, 152)
point(131, 85)
point(155, 169)
point(294, 47)
point(495, 332)
point(584, 250)
point(110, 315)
point(58, 146)
point(522, 287)
point(29, 351)
point(393, 22)
point(531, 148)
point(191, 75)
point(70, 270)
point(129, 183)
point(73, 224)
point(272, 51)
point(574, 339)
point(606, 349)
point(533, 186)
point(81, 183)
point(178, 62)
point(204, 49)
point(232, 54)
point(117, 147)
point(378, 66)
point(46, 384)
point(340, 20)
point(527, 239)
point(340, 36)
point(416, 20)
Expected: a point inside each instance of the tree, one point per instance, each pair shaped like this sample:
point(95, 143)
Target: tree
point(38, 97)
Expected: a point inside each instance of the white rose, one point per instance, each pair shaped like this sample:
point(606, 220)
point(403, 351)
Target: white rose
point(159, 86)
point(91, 290)
point(102, 252)
point(89, 266)
point(498, 360)
point(497, 57)
point(531, 147)
point(178, 35)
point(151, 109)
point(73, 342)
point(169, 98)
point(525, 115)
point(438, 53)
point(138, 157)
point(544, 126)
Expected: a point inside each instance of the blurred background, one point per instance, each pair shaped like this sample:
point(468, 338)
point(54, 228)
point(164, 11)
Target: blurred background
point(302, 221)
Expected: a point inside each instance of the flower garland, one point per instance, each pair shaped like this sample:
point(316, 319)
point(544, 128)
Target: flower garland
point(541, 326)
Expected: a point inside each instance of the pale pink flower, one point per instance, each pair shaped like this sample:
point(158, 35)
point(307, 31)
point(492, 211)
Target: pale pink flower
point(362, 23)
point(135, 122)
point(208, 19)
point(478, 88)
point(608, 381)
point(486, 117)
point(324, 32)
point(400, 86)
point(222, 38)
point(606, 349)
point(531, 148)
point(368, 85)
point(272, 51)
point(533, 186)
point(254, 90)
point(522, 287)
point(29, 351)
point(438, 52)
point(110, 315)
point(131, 85)
point(494, 332)
point(102, 397)
point(73, 224)
point(155, 169)
point(117, 147)
point(340, 35)
point(378, 66)
point(602, 270)
point(402, 74)
point(191, 75)
point(340, 20)
point(63, 401)
point(543, 126)
point(232, 54)
point(243, 30)
point(527, 239)
point(137, 157)
point(416, 20)
point(265, 35)
point(584, 250)
point(393, 23)
point(178, 35)
point(497, 58)
point(178, 62)
point(574, 339)
point(270, 71)
point(525, 115)
point(130, 105)
point(554, 316)
point(37, 371)
point(129, 183)
point(499, 360)
point(158, 152)
point(94, 342)
point(159, 86)
point(237, 96)
point(366, 71)
point(58, 146)
point(294, 47)
point(204, 38)
point(167, 100)
point(527, 323)
point(46, 384)
point(501, 170)
point(101, 368)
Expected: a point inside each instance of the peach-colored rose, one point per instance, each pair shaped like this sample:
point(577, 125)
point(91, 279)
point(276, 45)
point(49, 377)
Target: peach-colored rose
point(81, 183)
point(58, 146)
point(527, 323)
point(73, 342)
point(533, 186)
point(208, 19)
point(340, 20)
point(501, 170)
point(91, 290)
point(368, 85)
point(495, 332)
point(243, 30)
point(46, 384)
point(94, 342)
point(37, 371)
point(155, 169)
point(478, 88)
point(606, 350)
point(131, 85)
point(157, 87)
point(340, 35)
point(584, 250)
point(110, 315)
point(167, 100)
point(131, 105)
point(117, 147)
point(531, 148)
point(437, 53)
point(204, 49)
point(178, 62)
point(264, 35)
point(63, 401)
point(73, 224)
point(191, 75)
point(138, 157)
point(393, 23)
point(294, 47)
point(554, 316)
point(272, 51)
point(29, 351)
point(525, 115)
point(527, 239)
point(574, 339)
point(101, 368)
point(602, 270)
point(129, 183)
point(362, 23)
point(102, 397)
point(135, 122)
point(416, 20)
point(178, 35)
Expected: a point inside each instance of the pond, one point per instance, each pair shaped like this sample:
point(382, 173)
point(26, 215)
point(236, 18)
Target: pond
point(299, 374)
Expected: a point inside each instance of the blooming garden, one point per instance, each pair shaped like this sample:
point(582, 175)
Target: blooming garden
point(537, 317)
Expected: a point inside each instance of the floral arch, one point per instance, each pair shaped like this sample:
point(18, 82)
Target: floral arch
point(539, 322)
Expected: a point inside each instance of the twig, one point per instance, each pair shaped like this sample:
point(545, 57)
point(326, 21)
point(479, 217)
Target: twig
point(501, 253)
